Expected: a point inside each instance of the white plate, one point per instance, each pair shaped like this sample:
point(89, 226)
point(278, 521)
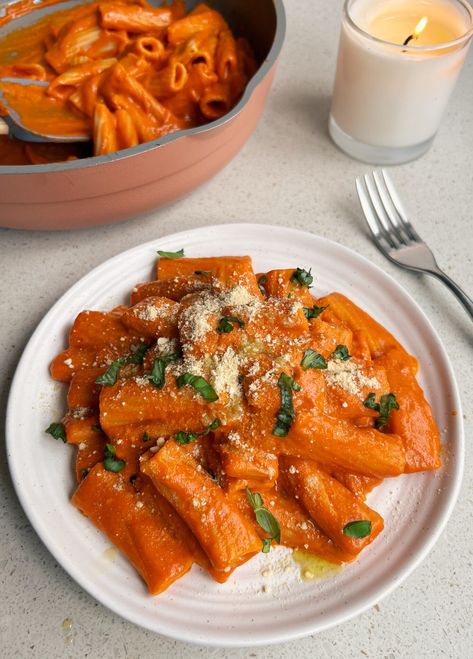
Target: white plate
point(240, 612)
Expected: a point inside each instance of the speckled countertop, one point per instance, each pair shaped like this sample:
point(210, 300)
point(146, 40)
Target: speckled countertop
point(289, 174)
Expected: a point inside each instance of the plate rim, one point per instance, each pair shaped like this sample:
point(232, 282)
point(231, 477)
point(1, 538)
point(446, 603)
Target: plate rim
point(385, 589)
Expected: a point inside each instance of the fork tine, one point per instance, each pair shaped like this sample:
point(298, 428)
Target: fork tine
point(377, 204)
point(376, 228)
point(396, 225)
point(397, 203)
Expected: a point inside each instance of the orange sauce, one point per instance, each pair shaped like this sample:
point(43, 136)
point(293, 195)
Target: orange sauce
point(43, 114)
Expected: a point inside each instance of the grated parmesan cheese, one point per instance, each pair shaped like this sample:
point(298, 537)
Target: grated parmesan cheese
point(347, 376)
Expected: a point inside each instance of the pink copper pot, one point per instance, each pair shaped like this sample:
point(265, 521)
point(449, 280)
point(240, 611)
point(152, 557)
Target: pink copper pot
point(116, 187)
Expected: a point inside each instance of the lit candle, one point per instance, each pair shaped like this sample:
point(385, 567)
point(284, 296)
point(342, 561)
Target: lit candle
point(397, 66)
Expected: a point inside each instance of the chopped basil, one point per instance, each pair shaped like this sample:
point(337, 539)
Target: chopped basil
point(225, 324)
point(341, 352)
point(285, 416)
point(358, 529)
point(201, 385)
point(137, 356)
point(386, 404)
point(204, 273)
point(188, 437)
point(109, 378)
point(83, 472)
point(110, 462)
point(262, 279)
point(312, 359)
point(171, 255)
point(96, 429)
point(145, 437)
point(302, 277)
point(57, 430)
point(157, 376)
point(265, 519)
point(371, 403)
point(313, 312)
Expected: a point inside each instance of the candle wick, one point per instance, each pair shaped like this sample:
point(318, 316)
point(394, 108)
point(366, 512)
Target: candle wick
point(409, 38)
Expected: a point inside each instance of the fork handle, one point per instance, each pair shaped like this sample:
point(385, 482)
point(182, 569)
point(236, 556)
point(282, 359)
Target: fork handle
point(456, 290)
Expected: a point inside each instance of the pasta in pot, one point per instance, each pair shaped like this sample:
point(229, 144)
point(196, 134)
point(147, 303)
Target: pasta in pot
point(121, 72)
point(224, 412)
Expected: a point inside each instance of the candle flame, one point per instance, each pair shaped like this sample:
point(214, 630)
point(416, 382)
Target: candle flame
point(420, 27)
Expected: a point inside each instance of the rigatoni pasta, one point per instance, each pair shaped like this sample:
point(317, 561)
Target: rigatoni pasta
point(223, 412)
point(128, 71)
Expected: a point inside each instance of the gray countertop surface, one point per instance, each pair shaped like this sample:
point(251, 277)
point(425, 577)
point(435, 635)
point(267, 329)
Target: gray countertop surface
point(288, 174)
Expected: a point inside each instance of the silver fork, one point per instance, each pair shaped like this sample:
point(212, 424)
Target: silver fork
point(395, 236)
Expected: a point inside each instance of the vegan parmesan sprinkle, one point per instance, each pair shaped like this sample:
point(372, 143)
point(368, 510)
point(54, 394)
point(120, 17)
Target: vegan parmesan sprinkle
point(152, 313)
point(348, 376)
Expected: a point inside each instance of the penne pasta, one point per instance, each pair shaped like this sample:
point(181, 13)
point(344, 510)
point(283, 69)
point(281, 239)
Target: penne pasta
point(215, 101)
point(127, 134)
point(142, 532)
point(330, 504)
point(148, 47)
point(123, 72)
point(61, 86)
point(226, 58)
point(199, 501)
point(237, 409)
point(168, 81)
point(133, 18)
point(185, 28)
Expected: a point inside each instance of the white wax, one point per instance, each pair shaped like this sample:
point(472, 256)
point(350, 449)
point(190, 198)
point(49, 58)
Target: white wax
point(385, 96)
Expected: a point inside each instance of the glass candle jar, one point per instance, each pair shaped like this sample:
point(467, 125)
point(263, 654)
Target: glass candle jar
point(398, 63)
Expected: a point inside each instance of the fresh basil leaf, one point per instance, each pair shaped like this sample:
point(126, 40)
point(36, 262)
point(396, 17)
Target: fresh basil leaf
point(96, 429)
point(137, 356)
point(313, 312)
point(110, 462)
point(254, 499)
point(157, 376)
point(313, 359)
point(225, 324)
point(341, 352)
point(171, 255)
point(285, 416)
point(266, 545)
point(109, 378)
point(265, 519)
point(188, 437)
point(370, 402)
point(201, 385)
point(268, 523)
point(145, 437)
point(387, 403)
point(302, 277)
point(57, 430)
point(262, 279)
point(358, 529)
point(204, 273)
